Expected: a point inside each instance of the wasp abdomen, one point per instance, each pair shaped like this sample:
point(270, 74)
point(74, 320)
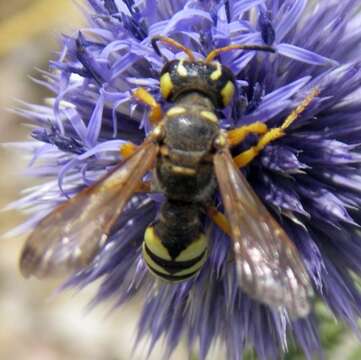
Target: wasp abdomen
point(184, 266)
point(174, 248)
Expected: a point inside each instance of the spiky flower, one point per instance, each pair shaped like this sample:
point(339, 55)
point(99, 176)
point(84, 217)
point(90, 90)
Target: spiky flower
point(310, 179)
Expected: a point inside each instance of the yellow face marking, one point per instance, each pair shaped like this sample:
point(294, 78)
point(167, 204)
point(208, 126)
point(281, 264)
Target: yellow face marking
point(181, 70)
point(210, 116)
point(166, 85)
point(183, 170)
point(216, 74)
point(227, 93)
point(176, 110)
point(195, 249)
point(155, 245)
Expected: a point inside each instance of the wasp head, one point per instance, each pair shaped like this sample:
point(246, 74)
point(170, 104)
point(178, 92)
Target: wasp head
point(211, 79)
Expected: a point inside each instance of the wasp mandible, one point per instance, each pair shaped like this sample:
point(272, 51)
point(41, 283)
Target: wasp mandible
point(189, 156)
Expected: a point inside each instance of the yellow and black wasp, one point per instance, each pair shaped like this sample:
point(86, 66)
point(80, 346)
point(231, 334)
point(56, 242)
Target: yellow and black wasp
point(189, 156)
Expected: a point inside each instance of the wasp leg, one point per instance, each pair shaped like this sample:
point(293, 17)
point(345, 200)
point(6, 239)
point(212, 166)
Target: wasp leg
point(247, 156)
point(127, 150)
point(219, 219)
point(236, 136)
point(144, 186)
point(144, 96)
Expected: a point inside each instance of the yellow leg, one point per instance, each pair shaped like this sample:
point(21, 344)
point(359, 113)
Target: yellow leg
point(236, 136)
point(247, 156)
point(219, 219)
point(127, 150)
point(144, 187)
point(156, 113)
point(300, 108)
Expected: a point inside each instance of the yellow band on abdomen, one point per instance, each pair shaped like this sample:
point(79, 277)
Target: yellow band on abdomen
point(184, 266)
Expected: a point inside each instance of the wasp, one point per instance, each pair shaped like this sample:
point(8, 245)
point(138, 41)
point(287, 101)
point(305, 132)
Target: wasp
point(189, 156)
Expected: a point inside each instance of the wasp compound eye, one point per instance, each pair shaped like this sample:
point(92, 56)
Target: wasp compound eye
point(166, 85)
point(227, 93)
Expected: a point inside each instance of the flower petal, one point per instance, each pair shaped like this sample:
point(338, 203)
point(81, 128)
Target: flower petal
point(307, 56)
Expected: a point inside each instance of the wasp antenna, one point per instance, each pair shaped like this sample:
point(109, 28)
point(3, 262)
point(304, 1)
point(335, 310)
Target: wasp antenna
point(214, 53)
point(169, 41)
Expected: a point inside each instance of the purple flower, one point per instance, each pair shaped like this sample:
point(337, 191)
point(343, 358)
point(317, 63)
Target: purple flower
point(310, 179)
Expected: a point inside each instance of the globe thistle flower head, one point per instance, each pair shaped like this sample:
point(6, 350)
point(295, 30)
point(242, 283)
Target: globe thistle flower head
point(308, 179)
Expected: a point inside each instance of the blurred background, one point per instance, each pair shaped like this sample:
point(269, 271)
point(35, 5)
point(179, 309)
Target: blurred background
point(35, 323)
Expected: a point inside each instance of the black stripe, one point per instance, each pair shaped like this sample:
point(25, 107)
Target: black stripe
point(170, 277)
point(172, 266)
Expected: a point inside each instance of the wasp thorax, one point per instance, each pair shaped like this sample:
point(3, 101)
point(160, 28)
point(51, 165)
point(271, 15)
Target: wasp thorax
point(191, 128)
point(213, 80)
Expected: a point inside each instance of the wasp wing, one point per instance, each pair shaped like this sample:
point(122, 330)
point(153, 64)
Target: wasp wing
point(71, 235)
point(268, 265)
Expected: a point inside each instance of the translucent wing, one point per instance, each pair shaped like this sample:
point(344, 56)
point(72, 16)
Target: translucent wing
point(71, 235)
point(268, 265)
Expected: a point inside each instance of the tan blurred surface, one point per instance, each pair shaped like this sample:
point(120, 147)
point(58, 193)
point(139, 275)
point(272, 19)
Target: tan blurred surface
point(33, 323)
